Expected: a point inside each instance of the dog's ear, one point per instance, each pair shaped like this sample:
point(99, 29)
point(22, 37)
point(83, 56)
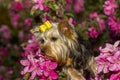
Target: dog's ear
point(35, 31)
point(65, 28)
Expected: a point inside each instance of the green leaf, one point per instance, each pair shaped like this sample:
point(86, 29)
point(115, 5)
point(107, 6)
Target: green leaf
point(36, 78)
point(54, 7)
point(118, 1)
point(26, 76)
point(69, 14)
point(62, 74)
point(32, 11)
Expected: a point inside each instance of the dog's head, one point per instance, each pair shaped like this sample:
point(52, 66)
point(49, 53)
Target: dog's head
point(56, 42)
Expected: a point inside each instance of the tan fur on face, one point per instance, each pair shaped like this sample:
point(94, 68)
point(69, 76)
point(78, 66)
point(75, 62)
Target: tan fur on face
point(54, 49)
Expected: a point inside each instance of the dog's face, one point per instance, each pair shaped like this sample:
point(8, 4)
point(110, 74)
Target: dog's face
point(57, 42)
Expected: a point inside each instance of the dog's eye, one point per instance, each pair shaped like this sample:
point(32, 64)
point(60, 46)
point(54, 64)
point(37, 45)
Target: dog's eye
point(53, 38)
point(42, 41)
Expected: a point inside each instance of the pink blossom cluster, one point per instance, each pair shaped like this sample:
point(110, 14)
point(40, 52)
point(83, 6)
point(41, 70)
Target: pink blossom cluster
point(114, 25)
point(92, 31)
point(15, 23)
point(36, 64)
point(112, 22)
point(17, 6)
point(17, 9)
point(100, 22)
point(48, 6)
point(7, 71)
point(110, 6)
point(3, 52)
point(39, 4)
point(78, 6)
point(108, 61)
point(5, 32)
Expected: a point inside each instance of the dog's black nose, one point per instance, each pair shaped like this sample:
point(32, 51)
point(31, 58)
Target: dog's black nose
point(43, 51)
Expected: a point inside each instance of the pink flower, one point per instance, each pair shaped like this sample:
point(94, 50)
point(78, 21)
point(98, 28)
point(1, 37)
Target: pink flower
point(39, 4)
point(109, 61)
point(93, 15)
point(114, 25)
point(46, 17)
point(17, 6)
point(36, 64)
point(25, 63)
point(68, 6)
point(92, 32)
point(47, 9)
point(112, 22)
point(5, 32)
point(28, 22)
point(28, 4)
point(114, 62)
point(21, 35)
point(79, 6)
point(16, 47)
point(83, 24)
point(39, 67)
point(32, 66)
point(117, 29)
point(23, 54)
point(103, 64)
point(115, 76)
point(68, 1)
point(35, 68)
point(31, 47)
point(14, 19)
point(49, 70)
point(71, 21)
point(101, 23)
point(1, 77)
point(109, 7)
point(110, 48)
point(3, 51)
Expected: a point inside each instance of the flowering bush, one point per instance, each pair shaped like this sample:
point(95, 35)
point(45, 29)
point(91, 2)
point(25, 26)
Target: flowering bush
point(97, 21)
point(109, 61)
point(36, 64)
point(15, 22)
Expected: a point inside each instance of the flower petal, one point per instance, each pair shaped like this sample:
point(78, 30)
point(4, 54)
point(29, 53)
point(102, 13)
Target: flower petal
point(116, 43)
point(113, 77)
point(53, 65)
point(33, 74)
point(112, 67)
point(24, 62)
point(53, 75)
point(100, 68)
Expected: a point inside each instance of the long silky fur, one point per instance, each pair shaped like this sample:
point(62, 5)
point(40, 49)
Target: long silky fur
point(72, 53)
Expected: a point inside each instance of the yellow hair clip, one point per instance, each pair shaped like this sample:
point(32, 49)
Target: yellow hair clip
point(47, 25)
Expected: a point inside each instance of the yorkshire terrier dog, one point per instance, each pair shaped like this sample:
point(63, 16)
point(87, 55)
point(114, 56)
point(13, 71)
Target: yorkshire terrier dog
point(61, 42)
